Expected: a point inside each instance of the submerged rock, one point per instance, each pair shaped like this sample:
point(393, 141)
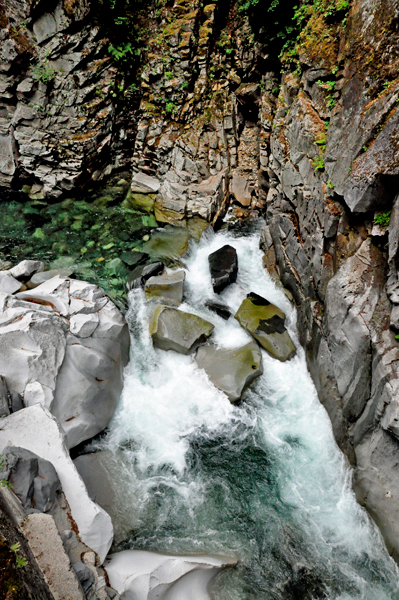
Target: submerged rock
point(231, 370)
point(173, 329)
point(168, 289)
point(141, 575)
point(223, 266)
point(219, 308)
point(39, 432)
point(266, 323)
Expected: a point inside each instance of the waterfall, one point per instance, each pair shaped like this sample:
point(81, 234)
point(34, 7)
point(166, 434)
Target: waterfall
point(262, 481)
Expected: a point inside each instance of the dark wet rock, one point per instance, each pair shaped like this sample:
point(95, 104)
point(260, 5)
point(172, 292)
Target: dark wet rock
point(141, 274)
point(219, 308)
point(33, 479)
point(173, 329)
point(133, 259)
point(167, 289)
point(223, 266)
point(266, 323)
point(4, 404)
point(231, 370)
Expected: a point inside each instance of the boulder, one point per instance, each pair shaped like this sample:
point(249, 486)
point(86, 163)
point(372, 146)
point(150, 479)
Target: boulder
point(64, 346)
point(168, 289)
point(140, 575)
point(142, 273)
point(266, 323)
point(171, 242)
point(219, 308)
point(133, 259)
point(231, 370)
point(173, 329)
point(223, 266)
point(35, 429)
point(26, 268)
point(33, 479)
point(8, 283)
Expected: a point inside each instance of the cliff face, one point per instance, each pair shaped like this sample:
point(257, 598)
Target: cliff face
point(56, 113)
point(218, 130)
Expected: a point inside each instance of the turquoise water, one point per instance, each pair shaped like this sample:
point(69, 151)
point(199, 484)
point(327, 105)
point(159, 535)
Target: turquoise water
point(263, 480)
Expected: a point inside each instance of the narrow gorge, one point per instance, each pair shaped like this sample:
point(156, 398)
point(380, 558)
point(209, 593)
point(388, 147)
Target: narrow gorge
point(199, 299)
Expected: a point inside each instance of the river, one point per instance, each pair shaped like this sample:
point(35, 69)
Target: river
point(263, 480)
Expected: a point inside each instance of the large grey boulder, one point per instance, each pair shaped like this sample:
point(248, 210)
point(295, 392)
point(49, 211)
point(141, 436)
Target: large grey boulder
point(33, 479)
point(168, 289)
point(173, 329)
point(64, 346)
point(141, 575)
point(36, 430)
point(231, 370)
point(266, 323)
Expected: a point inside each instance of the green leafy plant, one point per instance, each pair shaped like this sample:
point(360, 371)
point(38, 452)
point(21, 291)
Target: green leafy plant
point(383, 219)
point(169, 75)
point(43, 72)
point(318, 163)
point(20, 560)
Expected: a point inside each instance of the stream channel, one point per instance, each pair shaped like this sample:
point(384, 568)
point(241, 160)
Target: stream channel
point(262, 480)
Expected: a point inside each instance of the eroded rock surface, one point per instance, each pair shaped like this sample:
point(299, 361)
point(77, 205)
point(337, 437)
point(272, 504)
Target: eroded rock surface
point(64, 346)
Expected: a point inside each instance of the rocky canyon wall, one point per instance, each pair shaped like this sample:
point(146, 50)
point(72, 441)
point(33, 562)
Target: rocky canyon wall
point(219, 131)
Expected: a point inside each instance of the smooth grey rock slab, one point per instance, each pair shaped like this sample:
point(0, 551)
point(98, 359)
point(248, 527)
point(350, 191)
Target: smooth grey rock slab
point(8, 283)
point(223, 265)
point(140, 575)
point(26, 268)
point(173, 329)
point(95, 469)
point(231, 370)
point(266, 323)
point(168, 289)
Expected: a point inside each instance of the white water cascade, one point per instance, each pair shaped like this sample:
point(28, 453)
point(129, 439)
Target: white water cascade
point(262, 481)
